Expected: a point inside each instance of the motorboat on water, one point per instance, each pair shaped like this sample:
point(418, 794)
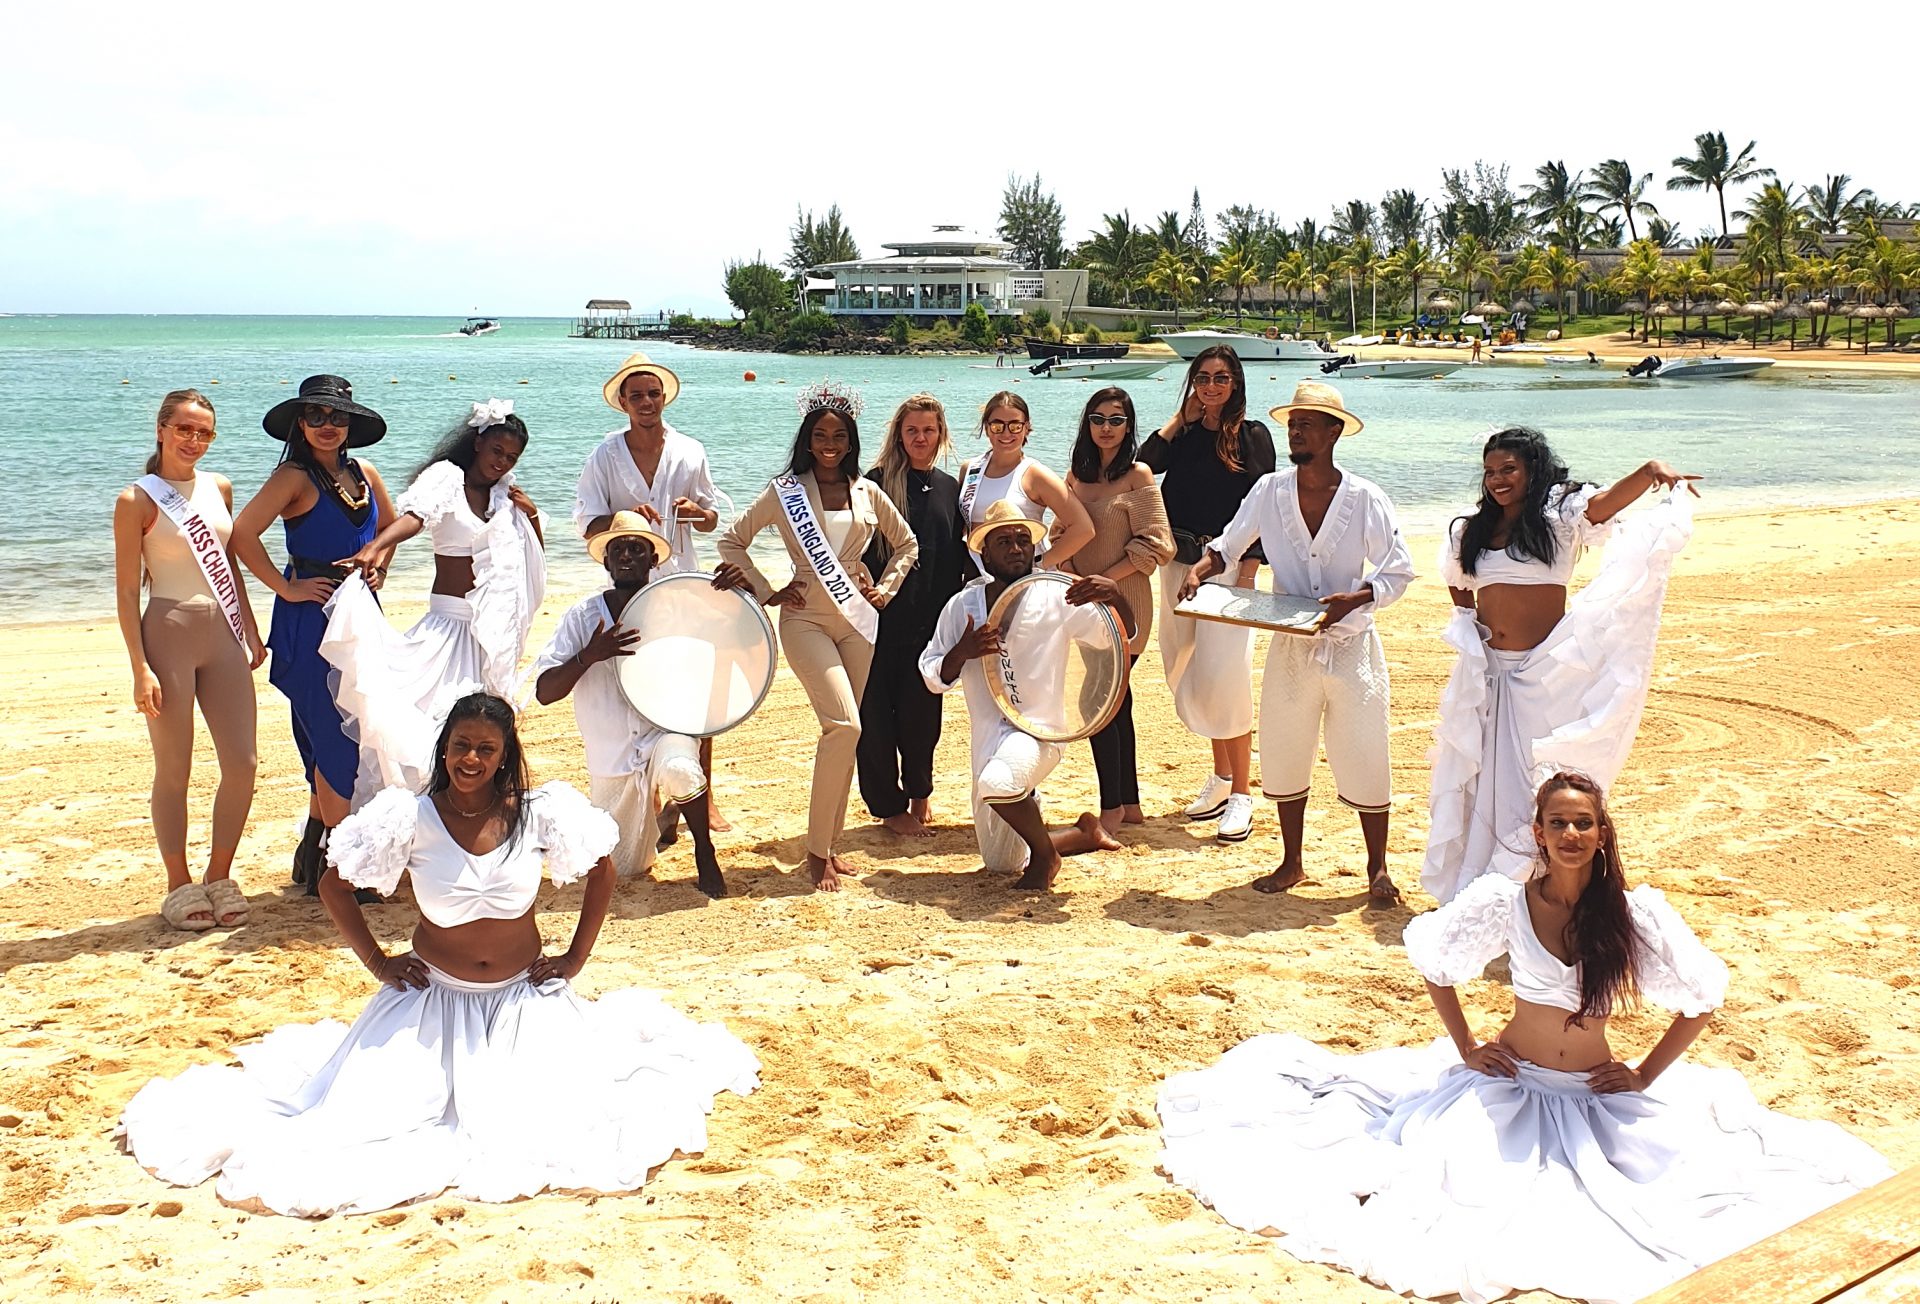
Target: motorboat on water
point(1715, 367)
point(1098, 368)
point(480, 326)
point(1346, 367)
point(1248, 347)
point(1037, 349)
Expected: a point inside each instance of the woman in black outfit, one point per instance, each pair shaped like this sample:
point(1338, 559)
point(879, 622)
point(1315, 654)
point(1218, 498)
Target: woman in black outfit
point(899, 718)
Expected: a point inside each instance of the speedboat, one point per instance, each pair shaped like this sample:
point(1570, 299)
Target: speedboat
point(1038, 349)
point(1246, 346)
point(1098, 368)
point(1709, 368)
point(480, 326)
point(1389, 369)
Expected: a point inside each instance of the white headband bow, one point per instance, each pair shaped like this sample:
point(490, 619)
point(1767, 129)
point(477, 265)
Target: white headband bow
point(490, 413)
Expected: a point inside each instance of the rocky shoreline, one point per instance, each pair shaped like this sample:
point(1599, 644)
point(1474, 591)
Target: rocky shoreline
point(736, 338)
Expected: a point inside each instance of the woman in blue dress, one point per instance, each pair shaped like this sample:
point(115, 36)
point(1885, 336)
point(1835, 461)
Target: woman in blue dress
point(332, 505)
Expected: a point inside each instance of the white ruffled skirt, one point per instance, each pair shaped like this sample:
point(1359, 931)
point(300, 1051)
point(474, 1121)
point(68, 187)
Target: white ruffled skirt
point(1510, 719)
point(1410, 1169)
point(494, 1091)
point(1208, 664)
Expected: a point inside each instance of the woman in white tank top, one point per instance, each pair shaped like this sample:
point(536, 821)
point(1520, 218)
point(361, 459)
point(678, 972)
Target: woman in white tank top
point(1005, 471)
point(184, 647)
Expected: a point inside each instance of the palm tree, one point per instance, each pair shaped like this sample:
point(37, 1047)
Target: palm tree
point(1558, 271)
point(1237, 270)
point(1555, 196)
point(1712, 168)
point(1828, 205)
point(1661, 231)
point(1773, 223)
point(1352, 222)
point(1519, 272)
point(1617, 189)
point(1884, 268)
point(1119, 254)
point(1641, 273)
point(1403, 217)
point(1170, 233)
point(1471, 263)
point(1412, 262)
point(1172, 277)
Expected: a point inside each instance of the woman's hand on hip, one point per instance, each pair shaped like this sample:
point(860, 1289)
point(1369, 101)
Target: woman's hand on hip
point(316, 588)
point(1492, 1059)
point(1615, 1076)
point(401, 971)
point(545, 968)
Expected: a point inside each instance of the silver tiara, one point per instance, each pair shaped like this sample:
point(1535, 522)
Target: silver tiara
point(833, 396)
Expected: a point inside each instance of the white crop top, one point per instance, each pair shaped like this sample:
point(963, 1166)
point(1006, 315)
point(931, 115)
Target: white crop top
point(1490, 918)
point(990, 489)
point(172, 571)
point(1573, 533)
point(438, 496)
point(401, 831)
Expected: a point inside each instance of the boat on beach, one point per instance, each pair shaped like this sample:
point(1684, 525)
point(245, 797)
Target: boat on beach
point(1347, 368)
point(1038, 349)
point(1708, 368)
point(1246, 346)
point(480, 326)
point(1098, 368)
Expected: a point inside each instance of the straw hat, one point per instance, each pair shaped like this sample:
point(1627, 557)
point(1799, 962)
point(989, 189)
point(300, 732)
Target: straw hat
point(639, 362)
point(1003, 513)
point(365, 425)
point(1314, 396)
point(628, 525)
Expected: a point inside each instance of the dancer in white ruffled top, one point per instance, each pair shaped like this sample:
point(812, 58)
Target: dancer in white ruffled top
point(489, 576)
point(1536, 1160)
point(448, 1078)
point(1541, 684)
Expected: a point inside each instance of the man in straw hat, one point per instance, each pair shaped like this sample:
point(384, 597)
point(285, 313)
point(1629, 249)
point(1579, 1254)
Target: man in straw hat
point(649, 467)
point(635, 767)
point(1008, 765)
point(1333, 537)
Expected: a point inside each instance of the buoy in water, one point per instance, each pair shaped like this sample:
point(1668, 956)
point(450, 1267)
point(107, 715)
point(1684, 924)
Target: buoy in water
point(748, 376)
point(126, 382)
point(391, 380)
point(451, 376)
point(526, 382)
point(213, 382)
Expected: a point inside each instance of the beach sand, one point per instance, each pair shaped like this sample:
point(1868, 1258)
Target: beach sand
point(960, 1079)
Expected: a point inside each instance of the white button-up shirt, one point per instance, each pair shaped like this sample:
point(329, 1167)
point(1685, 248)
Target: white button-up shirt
point(619, 740)
point(1359, 543)
point(612, 483)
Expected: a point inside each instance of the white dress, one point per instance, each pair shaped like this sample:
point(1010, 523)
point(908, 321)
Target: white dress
point(492, 1090)
point(1410, 1169)
point(1510, 719)
point(388, 684)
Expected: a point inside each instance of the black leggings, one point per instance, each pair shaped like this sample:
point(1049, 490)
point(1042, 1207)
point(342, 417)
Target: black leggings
point(1113, 754)
point(899, 728)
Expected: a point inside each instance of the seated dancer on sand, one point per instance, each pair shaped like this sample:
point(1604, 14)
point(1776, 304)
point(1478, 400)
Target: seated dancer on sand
point(1536, 1160)
point(830, 611)
point(1541, 684)
point(1332, 536)
point(635, 767)
point(1008, 765)
point(489, 575)
point(475, 1068)
point(196, 640)
point(331, 506)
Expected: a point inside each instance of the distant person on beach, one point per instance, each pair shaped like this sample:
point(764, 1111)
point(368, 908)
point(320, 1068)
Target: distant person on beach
point(1537, 1159)
point(899, 718)
point(475, 1068)
point(636, 768)
point(489, 576)
point(830, 610)
point(1005, 471)
point(1332, 537)
point(1009, 765)
point(332, 505)
point(1210, 454)
point(1131, 540)
point(647, 466)
point(197, 640)
point(1541, 684)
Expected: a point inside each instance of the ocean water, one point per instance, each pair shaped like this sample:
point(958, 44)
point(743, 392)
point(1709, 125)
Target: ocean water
point(78, 396)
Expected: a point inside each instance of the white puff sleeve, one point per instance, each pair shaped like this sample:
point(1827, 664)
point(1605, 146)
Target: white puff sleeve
point(433, 493)
point(1452, 574)
point(1453, 944)
point(371, 847)
point(1566, 510)
point(1671, 966)
point(572, 831)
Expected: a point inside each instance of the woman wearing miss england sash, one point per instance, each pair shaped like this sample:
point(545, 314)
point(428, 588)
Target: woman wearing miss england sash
point(829, 611)
point(197, 640)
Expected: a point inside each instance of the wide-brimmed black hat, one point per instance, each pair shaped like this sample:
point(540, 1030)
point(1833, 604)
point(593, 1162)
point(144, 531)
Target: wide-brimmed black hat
point(367, 426)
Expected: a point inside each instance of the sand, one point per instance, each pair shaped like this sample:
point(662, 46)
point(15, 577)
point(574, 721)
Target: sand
point(960, 1080)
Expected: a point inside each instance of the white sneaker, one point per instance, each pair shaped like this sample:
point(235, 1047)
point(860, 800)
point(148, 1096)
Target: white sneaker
point(1237, 821)
point(1210, 800)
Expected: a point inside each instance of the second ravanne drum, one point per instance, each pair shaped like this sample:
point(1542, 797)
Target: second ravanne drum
point(705, 658)
point(1062, 670)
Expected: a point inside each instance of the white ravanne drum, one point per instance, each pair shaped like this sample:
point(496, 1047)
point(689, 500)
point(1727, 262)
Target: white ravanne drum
point(705, 659)
point(1062, 670)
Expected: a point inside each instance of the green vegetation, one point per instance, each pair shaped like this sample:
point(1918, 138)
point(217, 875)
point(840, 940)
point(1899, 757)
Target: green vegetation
point(976, 328)
point(900, 330)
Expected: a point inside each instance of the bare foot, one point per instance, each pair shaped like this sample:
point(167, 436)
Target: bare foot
point(820, 868)
point(1040, 873)
point(921, 808)
point(716, 822)
point(1132, 815)
point(709, 879)
point(1094, 826)
point(907, 826)
point(1283, 877)
point(1381, 887)
point(1111, 820)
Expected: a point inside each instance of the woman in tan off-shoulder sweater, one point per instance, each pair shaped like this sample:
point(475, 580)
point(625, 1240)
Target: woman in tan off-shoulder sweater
point(1131, 539)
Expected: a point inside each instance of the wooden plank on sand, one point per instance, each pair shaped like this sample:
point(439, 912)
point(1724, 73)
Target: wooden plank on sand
point(1849, 1253)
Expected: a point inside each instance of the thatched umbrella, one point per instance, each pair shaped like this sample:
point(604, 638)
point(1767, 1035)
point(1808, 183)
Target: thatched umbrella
point(1441, 302)
point(1726, 309)
point(1635, 308)
point(1489, 308)
point(1795, 313)
point(1894, 312)
point(1867, 312)
point(1756, 309)
point(1660, 312)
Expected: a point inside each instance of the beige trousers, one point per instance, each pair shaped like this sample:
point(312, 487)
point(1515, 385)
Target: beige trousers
point(832, 665)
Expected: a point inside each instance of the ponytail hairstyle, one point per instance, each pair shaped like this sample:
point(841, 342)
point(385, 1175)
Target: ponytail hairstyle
point(1601, 930)
point(1084, 460)
point(890, 467)
point(1530, 536)
point(461, 445)
point(510, 780)
point(172, 403)
point(1226, 444)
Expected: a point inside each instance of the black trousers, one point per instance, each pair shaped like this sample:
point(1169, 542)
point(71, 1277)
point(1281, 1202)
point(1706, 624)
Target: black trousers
point(1113, 755)
point(899, 728)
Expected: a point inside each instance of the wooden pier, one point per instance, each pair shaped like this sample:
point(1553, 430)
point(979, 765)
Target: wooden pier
point(613, 319)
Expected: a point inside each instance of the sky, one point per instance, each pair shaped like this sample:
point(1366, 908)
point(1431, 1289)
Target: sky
point(445, 159)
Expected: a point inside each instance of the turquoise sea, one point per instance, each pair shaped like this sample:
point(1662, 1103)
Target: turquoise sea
point(78, 395)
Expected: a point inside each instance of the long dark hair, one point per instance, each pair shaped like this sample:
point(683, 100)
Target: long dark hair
point(172, 403)
point(1600, 930)
point(461, 445)
point(1226, 444)
point(510, 780)
point(800, 460)
point(1530, 536)
point(1084, 460)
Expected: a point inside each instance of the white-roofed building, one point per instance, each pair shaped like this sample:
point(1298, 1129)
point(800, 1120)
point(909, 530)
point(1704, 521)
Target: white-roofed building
point(936, 274)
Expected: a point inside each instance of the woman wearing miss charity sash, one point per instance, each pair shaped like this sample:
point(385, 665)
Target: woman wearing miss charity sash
point(829, 612)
